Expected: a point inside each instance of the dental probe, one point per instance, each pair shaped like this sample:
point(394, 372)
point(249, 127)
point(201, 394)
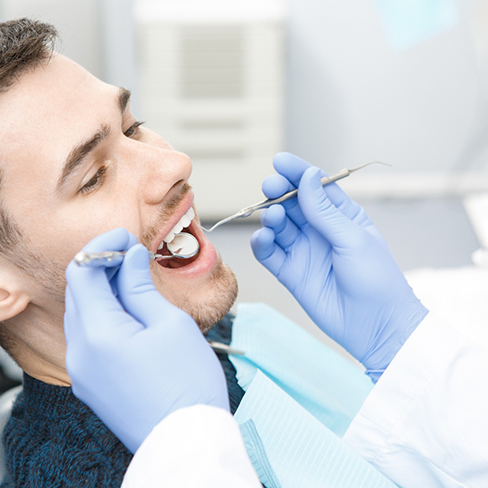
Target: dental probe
point(219, 347)
point(95, 259)
point(185, 250)
point(247, 211)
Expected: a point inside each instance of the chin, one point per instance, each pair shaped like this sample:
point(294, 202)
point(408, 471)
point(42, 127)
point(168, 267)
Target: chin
point(213, 300)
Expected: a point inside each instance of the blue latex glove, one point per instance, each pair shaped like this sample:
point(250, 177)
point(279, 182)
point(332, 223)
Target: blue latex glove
point(324, 248)
point(135, 359)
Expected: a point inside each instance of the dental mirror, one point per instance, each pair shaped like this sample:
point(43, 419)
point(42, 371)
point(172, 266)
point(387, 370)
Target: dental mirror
point(183, 246)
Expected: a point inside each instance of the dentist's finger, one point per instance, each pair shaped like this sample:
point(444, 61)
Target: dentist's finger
point(70, 329)
point(93, 319)
point(90, 289)
point(138, 294)
point(112, 271)
point(290, 166)
point(322, 214)
point(275, 186)
point(285, 230)
point(266, 251)
point(293, 168)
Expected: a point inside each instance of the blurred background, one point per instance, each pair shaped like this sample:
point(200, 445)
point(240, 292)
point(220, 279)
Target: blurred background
point(336, 82)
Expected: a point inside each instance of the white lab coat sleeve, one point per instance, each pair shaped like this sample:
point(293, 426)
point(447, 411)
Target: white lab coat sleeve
point(425, 423)
point(197, 447)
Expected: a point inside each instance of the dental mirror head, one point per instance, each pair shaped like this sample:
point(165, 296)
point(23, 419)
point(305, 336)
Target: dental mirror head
point(183, 246)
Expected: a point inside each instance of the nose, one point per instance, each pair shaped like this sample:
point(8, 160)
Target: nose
point(157, 170)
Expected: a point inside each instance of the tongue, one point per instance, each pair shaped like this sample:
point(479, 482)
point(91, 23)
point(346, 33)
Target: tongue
point(176, 262)
point(179, 263)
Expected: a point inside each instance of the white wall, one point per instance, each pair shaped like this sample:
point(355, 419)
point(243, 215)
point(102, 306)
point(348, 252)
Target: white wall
point(351, 98)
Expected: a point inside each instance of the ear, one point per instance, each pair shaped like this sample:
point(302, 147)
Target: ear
point(14, 297)
point(12, 303)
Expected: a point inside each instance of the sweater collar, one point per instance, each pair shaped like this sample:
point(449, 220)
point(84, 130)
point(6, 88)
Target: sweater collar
point(50, 401)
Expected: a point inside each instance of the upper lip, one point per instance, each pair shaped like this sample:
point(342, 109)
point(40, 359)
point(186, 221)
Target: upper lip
point(183, 207)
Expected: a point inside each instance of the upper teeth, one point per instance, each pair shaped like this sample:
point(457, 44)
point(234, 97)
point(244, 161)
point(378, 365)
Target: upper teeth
point(184, 222)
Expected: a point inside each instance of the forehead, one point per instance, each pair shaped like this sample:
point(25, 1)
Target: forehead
point(48, 110)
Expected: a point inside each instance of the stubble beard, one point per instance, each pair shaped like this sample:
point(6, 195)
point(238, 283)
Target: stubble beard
point(224, 284)
point(221, 293)
point(221, 289)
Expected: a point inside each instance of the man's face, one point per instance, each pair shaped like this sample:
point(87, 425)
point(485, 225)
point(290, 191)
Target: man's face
point(75, 165)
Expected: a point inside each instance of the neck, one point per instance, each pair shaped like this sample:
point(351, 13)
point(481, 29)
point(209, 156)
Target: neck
point(38, 344)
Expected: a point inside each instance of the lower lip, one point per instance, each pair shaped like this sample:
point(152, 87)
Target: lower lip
point(206, 260)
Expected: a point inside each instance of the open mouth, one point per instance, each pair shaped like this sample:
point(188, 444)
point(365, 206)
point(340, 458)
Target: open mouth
point(186, 224)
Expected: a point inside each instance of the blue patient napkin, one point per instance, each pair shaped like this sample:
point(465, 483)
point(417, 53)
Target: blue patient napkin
point(290, 448)
point(330, 387)
point(300, 398)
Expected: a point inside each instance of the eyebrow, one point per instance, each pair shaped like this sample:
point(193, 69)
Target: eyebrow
point(78, 154)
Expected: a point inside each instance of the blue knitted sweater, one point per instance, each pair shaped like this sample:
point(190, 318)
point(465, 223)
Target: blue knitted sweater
point(54, 440)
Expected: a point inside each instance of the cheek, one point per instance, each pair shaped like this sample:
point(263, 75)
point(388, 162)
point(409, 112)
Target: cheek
point(60, 236)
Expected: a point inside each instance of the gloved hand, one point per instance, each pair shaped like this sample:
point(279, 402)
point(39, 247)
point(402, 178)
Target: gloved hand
point(324, 248)
point(135, 359)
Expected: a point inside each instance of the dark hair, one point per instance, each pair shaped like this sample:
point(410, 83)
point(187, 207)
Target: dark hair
point(24, 45)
